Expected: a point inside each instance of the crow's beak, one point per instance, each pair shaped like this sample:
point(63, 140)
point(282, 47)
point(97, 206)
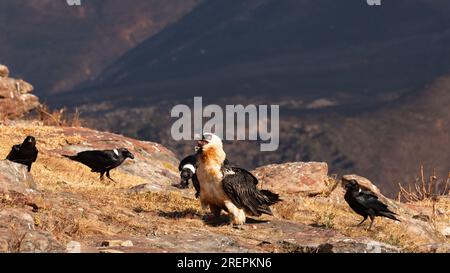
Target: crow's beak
point(202, 143)
point(131, 156)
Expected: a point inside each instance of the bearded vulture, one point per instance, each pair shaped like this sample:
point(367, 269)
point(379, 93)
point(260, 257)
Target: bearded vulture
point(226, 187)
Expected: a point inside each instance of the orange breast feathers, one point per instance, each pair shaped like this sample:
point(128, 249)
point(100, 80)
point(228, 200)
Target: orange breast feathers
point(212, 160)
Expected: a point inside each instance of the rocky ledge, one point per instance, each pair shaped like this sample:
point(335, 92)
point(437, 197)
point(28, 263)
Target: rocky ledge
point(62, 207)
point(15, 96)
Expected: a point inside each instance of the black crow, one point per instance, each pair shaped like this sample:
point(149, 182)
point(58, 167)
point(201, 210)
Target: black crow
point(102, 161)
point(25, 153)
point(366, 203)
point(229, 188)
point(187, 169)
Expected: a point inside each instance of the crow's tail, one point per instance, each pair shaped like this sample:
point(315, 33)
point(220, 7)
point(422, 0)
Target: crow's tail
point(389, 214)
point(71, 157)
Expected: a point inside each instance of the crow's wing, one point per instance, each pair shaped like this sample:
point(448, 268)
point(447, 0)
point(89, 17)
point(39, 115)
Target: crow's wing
point(24, 155)
point(240, 187)
point(369, 193)
point(190, 159)
point(13, 153)
point(97, 160)
point(370, 201)
point(34, 155)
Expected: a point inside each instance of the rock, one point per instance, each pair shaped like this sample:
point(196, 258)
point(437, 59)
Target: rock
point(340, 246)
point(424, 231)
point(366, 184)
point(276, 236)
point(127, 243)
point(294, 178)
point(14, 177)
point(15, 97)
point(17, 186)
point(18, 234)
point(73, 247)
point(422, 217)
point(363, 182)
point(144, 188)
point(436, 248)
point(416, 222)
point(117, 243)
point(299, 238)
point(39, 242)
point(446, 231)
point(110, 251)
point(4, 71)
point(153, 162)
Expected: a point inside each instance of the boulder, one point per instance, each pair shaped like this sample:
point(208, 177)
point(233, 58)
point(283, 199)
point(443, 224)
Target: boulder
point(73, 247)
point(294, 178)
point(299, 238)
point(4, 71)
point(117, 243)
point(153, 162)
point(366, 184)
point(18, 234)
point(14, 177)
point(17, 186)
point(436, 248)
point(15, 96)
point(415, 221)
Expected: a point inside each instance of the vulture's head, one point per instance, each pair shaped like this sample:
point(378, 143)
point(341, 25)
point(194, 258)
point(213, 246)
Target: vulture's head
point(209, 141)
point(211, 147)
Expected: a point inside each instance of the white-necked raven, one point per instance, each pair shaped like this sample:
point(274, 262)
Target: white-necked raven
point(187, 170)
point(25, 153)
point(366, 203)
point(102, 161)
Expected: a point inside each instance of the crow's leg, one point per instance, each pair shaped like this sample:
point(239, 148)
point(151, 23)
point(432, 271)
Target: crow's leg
point(109, 177)
point(363, 220)
point(372, 219)
point(29, 167)
point(102, 176)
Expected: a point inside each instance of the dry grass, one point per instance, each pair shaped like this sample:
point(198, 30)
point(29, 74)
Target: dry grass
point(423, 189)
point(76, 205)
point(327, 213)
point(58, 117)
